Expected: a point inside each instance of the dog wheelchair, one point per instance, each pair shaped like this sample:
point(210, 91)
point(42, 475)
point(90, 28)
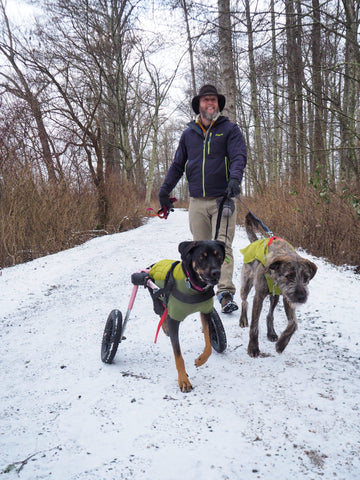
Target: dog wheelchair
point(115, 325)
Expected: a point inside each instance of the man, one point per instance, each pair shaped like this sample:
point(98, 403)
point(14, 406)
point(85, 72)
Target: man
point(212, 154)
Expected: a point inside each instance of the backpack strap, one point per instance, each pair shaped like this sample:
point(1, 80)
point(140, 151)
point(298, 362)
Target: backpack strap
point(169, 284)
point(192, 299)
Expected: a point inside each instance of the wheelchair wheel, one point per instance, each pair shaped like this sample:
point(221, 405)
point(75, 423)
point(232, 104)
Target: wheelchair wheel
point(112, 336)
point(217, 332)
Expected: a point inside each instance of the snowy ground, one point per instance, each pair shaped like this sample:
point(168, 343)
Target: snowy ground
point(67, 416)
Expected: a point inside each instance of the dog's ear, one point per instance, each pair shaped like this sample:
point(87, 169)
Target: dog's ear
point(312, 268)
point(221, 246)
point(186, 247)
point(274, 266)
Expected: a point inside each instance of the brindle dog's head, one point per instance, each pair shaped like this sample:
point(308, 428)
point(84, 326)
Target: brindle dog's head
point(203, 259)
point(292, 273)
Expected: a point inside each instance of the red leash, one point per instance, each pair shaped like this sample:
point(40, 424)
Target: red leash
point(164, 315)
point(163, 212)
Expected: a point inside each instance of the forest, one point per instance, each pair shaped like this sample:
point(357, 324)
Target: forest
point(94, 95)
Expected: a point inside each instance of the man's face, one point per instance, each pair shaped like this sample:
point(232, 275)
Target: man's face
point(209, 107)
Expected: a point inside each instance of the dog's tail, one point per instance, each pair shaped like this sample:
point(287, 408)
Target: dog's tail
point(251, 223)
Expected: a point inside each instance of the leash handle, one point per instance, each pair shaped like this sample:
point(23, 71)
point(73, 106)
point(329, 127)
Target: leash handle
point(164, 212)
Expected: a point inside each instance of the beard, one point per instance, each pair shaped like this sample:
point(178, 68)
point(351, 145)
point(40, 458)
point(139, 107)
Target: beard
point(207, 115)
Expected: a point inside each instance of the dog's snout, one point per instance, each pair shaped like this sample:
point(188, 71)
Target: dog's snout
point(300, 295)
point(215, 274)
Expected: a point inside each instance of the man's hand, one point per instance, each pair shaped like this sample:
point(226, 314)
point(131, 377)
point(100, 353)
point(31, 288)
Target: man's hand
point(233, 188)
point(167, 205)
point(165, 201)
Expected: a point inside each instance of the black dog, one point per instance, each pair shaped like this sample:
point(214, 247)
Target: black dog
point(190, 290)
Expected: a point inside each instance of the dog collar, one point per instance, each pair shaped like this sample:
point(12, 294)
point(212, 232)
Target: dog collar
point(191, 284)
point(272, 239)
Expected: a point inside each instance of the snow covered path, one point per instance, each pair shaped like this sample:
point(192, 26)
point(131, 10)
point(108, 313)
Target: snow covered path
point(65, 415)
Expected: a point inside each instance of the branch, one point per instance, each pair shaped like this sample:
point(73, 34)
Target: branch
point(22, 463)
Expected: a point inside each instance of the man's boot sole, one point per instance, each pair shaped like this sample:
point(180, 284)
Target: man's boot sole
point(229, 307)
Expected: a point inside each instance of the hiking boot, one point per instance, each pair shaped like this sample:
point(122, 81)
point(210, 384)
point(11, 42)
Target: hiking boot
point(227, 303)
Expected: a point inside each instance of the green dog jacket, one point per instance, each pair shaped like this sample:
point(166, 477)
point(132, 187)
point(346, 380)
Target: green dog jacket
point(258, 251)
point(177, 309)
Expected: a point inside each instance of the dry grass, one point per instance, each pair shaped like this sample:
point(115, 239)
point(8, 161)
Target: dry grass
point(126, 206)
point(38, 219)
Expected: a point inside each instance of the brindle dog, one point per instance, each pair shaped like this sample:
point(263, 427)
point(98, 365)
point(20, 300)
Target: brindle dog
point(286, 269)
point(201, 262)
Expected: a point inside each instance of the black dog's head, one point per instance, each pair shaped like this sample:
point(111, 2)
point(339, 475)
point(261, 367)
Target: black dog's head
point(203, 260)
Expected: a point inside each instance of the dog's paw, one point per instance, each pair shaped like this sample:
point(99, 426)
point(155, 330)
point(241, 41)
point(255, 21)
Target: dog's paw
point(253, 351)
point(201, 360)
point(184, 384)
point(243, 322)
point(186, 387)
point(280, 347)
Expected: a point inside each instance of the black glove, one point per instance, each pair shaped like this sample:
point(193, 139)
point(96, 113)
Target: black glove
point(165, 201)
point(233, 188)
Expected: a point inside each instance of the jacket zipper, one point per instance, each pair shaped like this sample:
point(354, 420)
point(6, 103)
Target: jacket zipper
point(206, 135)
point(203, 167)
point(207, 140)
point(227, 168)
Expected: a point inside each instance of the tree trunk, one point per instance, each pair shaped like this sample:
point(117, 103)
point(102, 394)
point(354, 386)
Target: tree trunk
point(293, 172)
point(299, 81)
point(317, 156)
point(185, 9)
point(274, 161)
point(154, 152)
point(258, 147)
point(227, 58)
point(350, 159)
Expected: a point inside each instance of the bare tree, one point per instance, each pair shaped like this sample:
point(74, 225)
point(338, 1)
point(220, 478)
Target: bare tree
point(16, 80)
point(90, 45)
point(186, 5)
point(160, 88)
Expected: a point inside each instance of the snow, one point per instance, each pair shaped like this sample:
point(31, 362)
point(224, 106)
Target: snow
point(66, 415)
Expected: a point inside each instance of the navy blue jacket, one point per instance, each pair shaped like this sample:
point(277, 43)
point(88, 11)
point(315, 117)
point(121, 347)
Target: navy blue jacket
point(208, 161)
